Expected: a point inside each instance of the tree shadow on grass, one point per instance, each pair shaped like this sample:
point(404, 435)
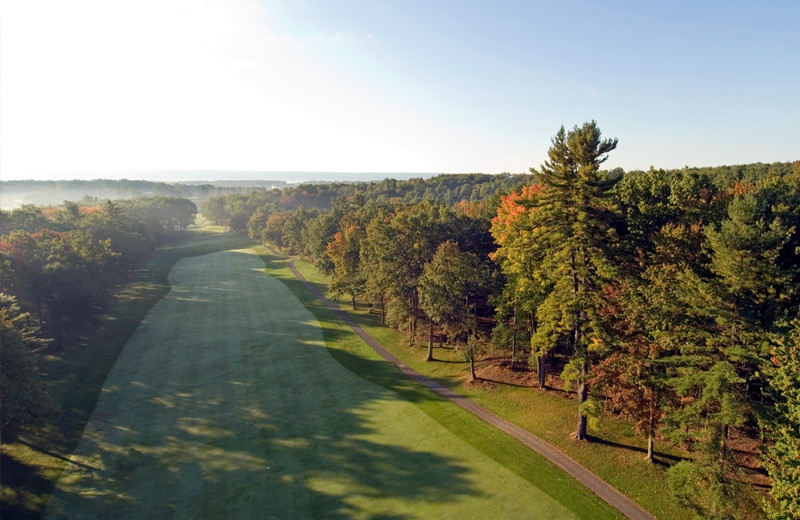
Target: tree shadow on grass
point(290, 458)
point(258, 422)
point(21, 483)
point(663, 459)
point(504, 383)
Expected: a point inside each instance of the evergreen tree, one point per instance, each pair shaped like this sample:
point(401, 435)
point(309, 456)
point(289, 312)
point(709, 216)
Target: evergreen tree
point(572, 224)
point(705, 374)
point(783, 456)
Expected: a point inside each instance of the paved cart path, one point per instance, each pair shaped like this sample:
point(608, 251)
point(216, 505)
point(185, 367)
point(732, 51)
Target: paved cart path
point(600, 487)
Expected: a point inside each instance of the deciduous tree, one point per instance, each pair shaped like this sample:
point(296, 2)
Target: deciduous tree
point(345, 253)
point(445, 287)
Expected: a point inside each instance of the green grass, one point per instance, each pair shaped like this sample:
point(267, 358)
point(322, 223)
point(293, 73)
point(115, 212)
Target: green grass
point(75, 376)
point(226, 403)
point(357, 357)
point(616, 453)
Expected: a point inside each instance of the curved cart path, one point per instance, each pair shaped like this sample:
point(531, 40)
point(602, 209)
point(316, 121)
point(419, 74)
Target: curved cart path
point(601, 488)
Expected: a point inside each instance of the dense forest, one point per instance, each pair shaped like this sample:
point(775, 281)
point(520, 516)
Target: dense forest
point(667, 298)
point(60, 268)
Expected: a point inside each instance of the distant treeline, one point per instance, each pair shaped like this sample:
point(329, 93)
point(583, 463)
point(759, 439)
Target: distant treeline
point(446, 188)
point(17, 193)
point(668, 298)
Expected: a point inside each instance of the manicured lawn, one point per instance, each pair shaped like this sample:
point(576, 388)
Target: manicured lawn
point(616, 453)
point(225, 403)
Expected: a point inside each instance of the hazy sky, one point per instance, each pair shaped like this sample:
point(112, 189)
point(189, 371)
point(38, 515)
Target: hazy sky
point(89, 87)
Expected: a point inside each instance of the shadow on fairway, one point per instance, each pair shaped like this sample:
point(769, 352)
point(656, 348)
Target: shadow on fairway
point(269, 428)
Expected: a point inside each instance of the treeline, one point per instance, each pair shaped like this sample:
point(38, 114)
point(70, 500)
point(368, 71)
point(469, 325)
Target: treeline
point(445, 188)
point(669, 298)
point(59, 270)
point(17, 193)
point(235, 209)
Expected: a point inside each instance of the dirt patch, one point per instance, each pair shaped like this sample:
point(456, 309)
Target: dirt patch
point(746, 448)
point(495, 369)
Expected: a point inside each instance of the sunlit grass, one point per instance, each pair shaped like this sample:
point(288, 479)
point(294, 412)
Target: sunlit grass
point(617, 454)
point(497, 446)
point(226, 403)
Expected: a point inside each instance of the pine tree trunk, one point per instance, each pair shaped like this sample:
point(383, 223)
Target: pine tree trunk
point(39, 313)
point(583, 393)
point(353, 299)
point(472, 367)
point(383, 311)
point(651, 423)
point(541, 371)
point(430, 340)
point(724, 443)
point(413, 331)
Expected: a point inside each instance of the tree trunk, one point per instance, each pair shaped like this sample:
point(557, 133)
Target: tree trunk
point(353, 298)
point(472, 367)
point(39, 313)
point(430, 340)
point(541, 371)
point(651, 423)
point(724, 442)
point(383, 311)
point(514, 338)
point(413, 332)
point(583, 393)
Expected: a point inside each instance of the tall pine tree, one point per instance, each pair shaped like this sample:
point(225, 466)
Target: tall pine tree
point(572, 224)
point(783, 456)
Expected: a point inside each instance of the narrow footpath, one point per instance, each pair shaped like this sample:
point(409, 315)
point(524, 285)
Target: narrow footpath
point(601, 488)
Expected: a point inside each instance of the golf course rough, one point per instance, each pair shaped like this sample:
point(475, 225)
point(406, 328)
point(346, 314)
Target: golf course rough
point(225, 403)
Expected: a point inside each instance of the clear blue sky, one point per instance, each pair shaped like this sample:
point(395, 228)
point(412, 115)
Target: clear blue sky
point(91, 87)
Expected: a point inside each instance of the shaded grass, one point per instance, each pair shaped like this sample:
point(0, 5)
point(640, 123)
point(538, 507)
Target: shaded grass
point(616, 453)
point(356, 356)
point(76, 373)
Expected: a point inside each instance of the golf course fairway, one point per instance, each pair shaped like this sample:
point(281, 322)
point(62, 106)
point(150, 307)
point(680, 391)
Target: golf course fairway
point(225, 403)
